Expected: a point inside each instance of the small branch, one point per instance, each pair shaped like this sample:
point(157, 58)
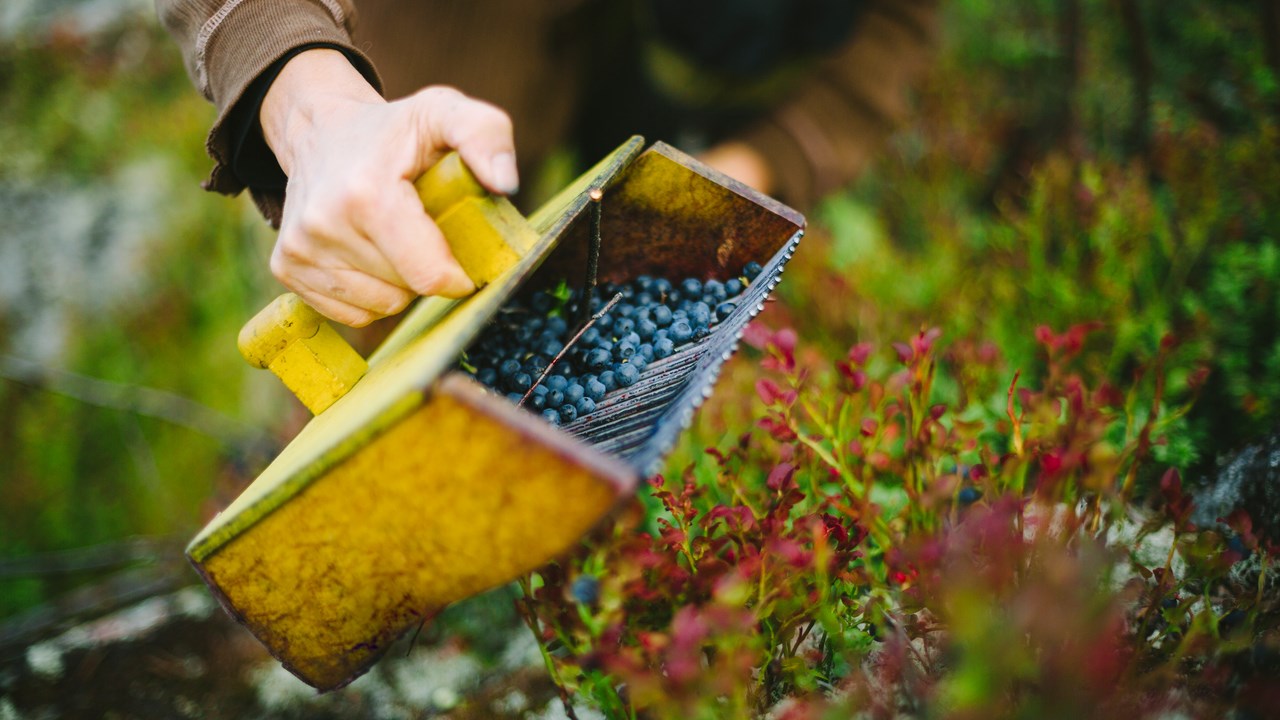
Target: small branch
point(159, 404)
point(97, 557)
point(593, 255)
point(556, 360)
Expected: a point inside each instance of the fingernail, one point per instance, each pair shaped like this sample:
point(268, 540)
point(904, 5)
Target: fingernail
point(505, 176)
point(460, 285)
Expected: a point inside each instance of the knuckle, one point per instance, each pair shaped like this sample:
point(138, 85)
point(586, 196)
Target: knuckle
point(394, 303)
point(280, 267)
point(356, 200)
point(439, 94)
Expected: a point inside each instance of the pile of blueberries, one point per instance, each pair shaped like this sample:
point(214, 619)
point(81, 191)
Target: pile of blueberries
point(653, 319)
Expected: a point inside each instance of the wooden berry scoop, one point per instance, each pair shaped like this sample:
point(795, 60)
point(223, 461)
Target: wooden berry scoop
point(414, 487)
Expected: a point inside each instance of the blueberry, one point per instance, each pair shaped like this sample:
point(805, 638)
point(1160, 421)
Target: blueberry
point(661, 316)
point(700, 314)
point(508, 369)
point(700, 332)
point(681, 333)
point(732, 287)
point(1227, 624)
point(568, 413)
point(535, 365)
point(645, 351)
point(557, 382)
point(969, 495)
point(627, 374)
point(595, 390)
point(537, 402)
point(690, 287)
point(662, 288)
point(606, 346)
point(590, 336)
point(752, 270)
point(525, 333)
point(585, 589)
point(555, 398)
point(585, 406)
point(624, 350)
point(645, 329)
point(644, 298)
point(631, 337)
point(542, 303)
point(609, 380)
point(661, 335)
point(597, 359)
point(550, 348)
point(714, 289)
point(624, 310)
point(724, 310)
point(514, 397)
point(663, 347)
point(574, 393)
point(623, 326)
point(642, 283)
point(604, 322)
point(539, 390)
point(639, 362)
point(487, 376)
point(557, 326)
point(551, 416)
point(564, 368)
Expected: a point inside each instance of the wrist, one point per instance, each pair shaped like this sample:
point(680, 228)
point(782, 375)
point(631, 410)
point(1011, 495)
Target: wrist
point(315, 86)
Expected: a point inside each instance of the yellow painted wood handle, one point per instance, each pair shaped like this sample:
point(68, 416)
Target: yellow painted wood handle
point(486, 235)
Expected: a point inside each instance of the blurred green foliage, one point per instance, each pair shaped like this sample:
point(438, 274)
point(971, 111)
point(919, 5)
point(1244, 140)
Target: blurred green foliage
point(80, 113)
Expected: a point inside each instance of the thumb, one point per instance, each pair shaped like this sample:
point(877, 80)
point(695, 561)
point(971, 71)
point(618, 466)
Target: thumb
point(480, 132)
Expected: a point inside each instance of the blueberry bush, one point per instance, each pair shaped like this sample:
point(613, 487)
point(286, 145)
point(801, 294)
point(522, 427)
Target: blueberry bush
point(954, 474)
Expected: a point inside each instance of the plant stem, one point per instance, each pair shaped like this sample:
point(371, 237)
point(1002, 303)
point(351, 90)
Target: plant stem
point(564, 350)
point(593, 255)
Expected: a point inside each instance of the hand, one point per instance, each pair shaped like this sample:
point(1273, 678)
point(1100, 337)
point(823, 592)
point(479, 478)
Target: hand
point(354, 241)
point(741, 162)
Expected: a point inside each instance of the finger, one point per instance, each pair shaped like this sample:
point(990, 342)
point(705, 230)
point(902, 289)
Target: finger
point(413, 244)
point(480, 132)
point(357, 289)
point(337, 310)
point(325, 238)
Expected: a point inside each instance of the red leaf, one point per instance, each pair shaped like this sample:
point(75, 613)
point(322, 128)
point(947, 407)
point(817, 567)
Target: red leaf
point(780, 476)
point(768, 391)
point(859, 353)
point(904, 352)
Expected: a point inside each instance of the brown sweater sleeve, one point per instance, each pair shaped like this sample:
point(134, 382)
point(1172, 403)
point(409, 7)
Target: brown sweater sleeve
point(226, 44)
point(820, 138)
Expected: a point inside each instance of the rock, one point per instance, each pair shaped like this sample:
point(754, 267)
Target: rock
point(1250, 481)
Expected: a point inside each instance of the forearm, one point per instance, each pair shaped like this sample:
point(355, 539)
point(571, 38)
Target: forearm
point(227, 44)
point(826, 133)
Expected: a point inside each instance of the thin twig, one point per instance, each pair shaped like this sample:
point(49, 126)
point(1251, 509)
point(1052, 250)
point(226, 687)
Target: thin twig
point(414, 640)
point(593, 255)
point(93, 558)
point(554, 361)
point(159, 404)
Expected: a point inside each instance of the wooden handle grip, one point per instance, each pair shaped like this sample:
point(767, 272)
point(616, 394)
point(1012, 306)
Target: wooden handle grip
point(295, 342)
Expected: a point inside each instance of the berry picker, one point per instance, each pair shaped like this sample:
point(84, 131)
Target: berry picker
point(414, 485)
